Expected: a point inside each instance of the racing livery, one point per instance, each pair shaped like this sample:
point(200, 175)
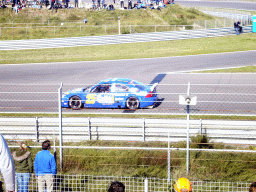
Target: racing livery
point(112, 93)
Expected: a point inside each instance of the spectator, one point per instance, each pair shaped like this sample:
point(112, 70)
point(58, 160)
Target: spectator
point(253, 187)
point(76, 3)
point(237, 27)
point(183, 185)
point(80, 4)
point(45, 167)
point(24, 166)
point(122, 4)
point(129, 4)
point(116, 186)
point(6, 165)
point(111, 7)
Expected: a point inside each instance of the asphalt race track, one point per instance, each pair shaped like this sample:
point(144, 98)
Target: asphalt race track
point(34, 87)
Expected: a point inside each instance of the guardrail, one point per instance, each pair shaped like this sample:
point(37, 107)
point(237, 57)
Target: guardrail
point(118, 39)
point(80, 129)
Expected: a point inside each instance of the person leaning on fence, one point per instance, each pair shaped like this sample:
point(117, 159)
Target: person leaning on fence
point(7, 165)
point(253, 187)
point(24, 166)
point(116, 186)
point(183, 185)
point(45, 167)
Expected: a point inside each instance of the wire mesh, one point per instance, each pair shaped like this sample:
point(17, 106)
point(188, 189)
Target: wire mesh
point(90, 183)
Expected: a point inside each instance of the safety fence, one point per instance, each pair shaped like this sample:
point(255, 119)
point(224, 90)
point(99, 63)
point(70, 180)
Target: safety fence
point(122, 129)
point(211, 99)
point(89, 183)
point(23, 32)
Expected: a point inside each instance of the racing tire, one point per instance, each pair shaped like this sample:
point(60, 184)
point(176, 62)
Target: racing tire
point(75, 103)
point(132, 103)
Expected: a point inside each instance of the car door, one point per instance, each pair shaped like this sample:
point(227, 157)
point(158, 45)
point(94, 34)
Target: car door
point(100, 97)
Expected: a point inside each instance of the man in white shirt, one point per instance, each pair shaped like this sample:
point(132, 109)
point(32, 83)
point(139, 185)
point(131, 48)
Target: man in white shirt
point(6, 165)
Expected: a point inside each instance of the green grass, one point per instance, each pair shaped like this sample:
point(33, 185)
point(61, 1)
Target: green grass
point(248, 69)
point(68, 23)
point(243, 42)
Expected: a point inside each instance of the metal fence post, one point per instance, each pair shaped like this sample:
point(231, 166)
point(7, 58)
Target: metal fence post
point(146, 185)
point(201, 127)
point(37, 130)
point(60, 126)
point(144, 127)
point(89, 129)
point(169, 159)
point(119, 28)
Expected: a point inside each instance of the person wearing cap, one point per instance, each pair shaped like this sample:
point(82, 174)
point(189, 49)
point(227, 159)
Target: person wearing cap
point(24, 166)
point(183, 185)
point(6, 165)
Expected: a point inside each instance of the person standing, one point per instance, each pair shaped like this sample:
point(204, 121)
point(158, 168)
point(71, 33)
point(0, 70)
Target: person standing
point(45, 167)
point(116, 186)
point(23, 166)
point(122, 4)
point(7, 165)
point(76, 3)
point(183, 185)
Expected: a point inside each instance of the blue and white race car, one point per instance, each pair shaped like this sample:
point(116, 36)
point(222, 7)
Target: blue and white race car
point(112, 93)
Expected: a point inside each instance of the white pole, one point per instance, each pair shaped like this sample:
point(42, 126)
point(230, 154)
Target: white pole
point(188, 132)
point(146, 185)
point(60, 125)
point(119, 28)
point(169, 159)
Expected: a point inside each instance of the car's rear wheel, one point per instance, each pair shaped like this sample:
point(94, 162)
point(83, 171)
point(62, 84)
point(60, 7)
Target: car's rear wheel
point(75, 103)
point(132, 103)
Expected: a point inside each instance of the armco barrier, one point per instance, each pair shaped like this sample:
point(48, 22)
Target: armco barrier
point(118, 39)
point(80, 129)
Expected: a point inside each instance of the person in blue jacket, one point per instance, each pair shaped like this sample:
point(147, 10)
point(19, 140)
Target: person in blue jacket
point(45, 167)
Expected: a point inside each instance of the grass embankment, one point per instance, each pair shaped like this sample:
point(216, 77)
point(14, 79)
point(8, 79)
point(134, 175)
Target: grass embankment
point(68, 22)
point(213, 166)
point(244, 42)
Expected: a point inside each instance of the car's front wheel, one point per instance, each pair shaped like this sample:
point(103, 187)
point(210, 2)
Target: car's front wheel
point(132, 103)
point(75, 103)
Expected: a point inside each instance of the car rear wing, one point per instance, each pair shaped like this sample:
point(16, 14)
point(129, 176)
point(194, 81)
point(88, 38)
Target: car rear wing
point(153, 86)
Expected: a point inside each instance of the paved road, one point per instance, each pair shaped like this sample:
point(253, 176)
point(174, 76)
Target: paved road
point(21, 83)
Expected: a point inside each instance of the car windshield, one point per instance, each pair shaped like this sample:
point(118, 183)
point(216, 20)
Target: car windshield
point(138, 85)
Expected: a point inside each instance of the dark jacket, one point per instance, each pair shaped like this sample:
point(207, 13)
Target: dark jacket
point(23, 161)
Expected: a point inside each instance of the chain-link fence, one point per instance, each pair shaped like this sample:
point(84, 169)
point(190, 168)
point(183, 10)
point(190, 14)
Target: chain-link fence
point(132, 184)
point(211, 99)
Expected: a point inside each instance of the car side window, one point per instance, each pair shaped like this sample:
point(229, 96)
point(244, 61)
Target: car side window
point(121, 88)
point(101, 89)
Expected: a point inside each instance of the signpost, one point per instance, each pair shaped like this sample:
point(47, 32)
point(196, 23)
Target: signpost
point(187, 100)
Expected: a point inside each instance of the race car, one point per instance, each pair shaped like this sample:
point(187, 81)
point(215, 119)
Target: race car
point(112, 93)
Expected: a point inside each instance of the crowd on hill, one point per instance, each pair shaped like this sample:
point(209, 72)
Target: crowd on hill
point(18, 5)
